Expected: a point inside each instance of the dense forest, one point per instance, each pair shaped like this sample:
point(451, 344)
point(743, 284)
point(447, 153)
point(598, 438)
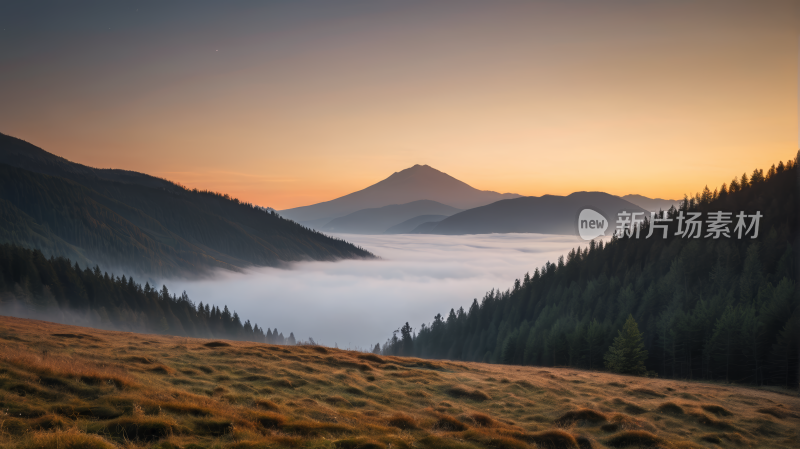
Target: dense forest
point(58, 290)
point(143, 225)
point(723, 309)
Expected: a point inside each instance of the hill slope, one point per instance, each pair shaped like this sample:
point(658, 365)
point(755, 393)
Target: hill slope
point(419, 182)
point(66, 386)
point(717, 309)
point(127, 220)
point(378, 220)
point(409, 226)
point(32, 286)
point(548, 214)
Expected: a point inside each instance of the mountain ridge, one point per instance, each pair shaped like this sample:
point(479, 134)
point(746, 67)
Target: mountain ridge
point(379, 219)
point(650, 204)
point(419, 182)
point(138, 222)
point(546, 214)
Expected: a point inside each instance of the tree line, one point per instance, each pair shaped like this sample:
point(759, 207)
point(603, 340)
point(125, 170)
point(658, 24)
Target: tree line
point(717, 309)
point(60, 290)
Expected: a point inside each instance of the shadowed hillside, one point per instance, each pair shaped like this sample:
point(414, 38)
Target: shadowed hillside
point(57, 290)
point(547, 214)
point(724, 308)
point(66, 386)
point(127, 220)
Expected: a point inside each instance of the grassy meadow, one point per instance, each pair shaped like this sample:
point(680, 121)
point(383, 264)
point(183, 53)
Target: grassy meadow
point(67, 387)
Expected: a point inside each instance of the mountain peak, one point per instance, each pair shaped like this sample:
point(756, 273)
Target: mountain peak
point(418, 182)
point(417, 168)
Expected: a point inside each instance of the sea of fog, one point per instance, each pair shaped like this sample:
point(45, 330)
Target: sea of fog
point(357, 303)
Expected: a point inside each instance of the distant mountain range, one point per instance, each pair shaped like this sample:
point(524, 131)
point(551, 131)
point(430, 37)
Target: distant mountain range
point(419, 182)
point(378, 220)
point(651, 204)
point(140, 223)
point(548, 214)
point(423, 200)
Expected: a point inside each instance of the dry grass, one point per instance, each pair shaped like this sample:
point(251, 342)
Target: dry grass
point(69, 387)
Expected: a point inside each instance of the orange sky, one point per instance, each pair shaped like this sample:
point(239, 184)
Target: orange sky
point(286, 106)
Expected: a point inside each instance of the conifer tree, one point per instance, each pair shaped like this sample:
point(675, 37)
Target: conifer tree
point(408, 343)
point(627, 354)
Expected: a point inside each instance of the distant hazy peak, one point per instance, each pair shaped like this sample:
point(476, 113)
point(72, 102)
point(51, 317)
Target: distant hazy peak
point(642, 197)
point(650, 204)
point(428, 172)
point(419, 170)
point(419, 182)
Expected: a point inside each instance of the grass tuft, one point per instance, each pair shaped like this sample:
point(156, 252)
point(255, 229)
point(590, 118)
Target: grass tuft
point(716, 409)
point(162, 369)
point(358, 443)
point(778, 412)
point(337, 401)
point(637, 438)
point(216, 344)
point(135, 428)
point(402, 421)
point(266, 404)
point(449, 424)
point(137, 359)
point(50, 422)
point(630, 407)
point(553, 439)
point(649, 392)
point(525, 384)
point(580, 417)
point(372, 358)
point(271, 420)
point(316, 429)
point(494, 441)
point(13, 426)
point(715, 423)
point(213, 427)
point(670, 408)
point(624, 422)
point(100, 412)
point(483, 420)
point(461, 391)
point(64, 439)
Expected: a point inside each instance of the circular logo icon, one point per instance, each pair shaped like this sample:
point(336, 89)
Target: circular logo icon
point(591, 224)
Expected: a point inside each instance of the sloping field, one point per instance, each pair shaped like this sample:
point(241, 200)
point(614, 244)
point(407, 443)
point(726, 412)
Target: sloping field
point(72, 387)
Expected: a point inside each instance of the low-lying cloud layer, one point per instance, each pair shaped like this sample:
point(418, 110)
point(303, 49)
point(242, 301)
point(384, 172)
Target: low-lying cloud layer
point(357, 303)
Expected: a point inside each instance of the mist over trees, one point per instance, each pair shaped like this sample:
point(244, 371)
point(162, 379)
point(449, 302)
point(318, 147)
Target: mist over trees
point(56, 289)
point(724, 309)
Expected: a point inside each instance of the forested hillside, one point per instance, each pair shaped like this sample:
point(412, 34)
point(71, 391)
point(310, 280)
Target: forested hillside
point(708, 308)
point(57, 290)
point(144, 225)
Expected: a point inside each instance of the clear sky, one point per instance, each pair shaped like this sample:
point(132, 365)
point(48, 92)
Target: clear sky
point(294, 102)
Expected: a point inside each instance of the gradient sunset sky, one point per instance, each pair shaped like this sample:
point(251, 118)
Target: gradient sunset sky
point(290, 103)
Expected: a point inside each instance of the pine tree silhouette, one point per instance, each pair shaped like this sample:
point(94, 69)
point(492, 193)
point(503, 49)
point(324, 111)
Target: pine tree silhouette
point(627, 354)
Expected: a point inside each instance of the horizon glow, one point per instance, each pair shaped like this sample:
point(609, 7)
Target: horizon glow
point(289, 104)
